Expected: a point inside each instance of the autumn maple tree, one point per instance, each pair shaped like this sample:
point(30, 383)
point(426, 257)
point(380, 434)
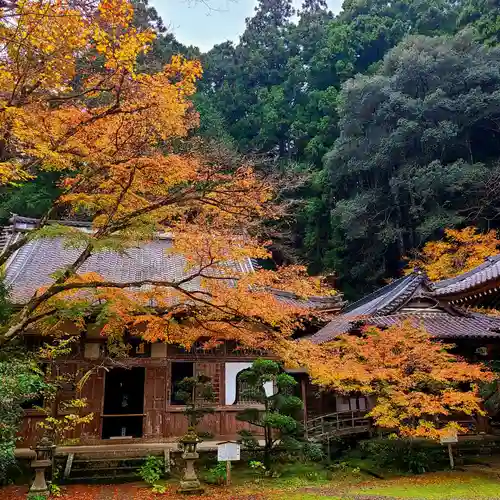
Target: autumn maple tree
point(122, 142)
point(419, 388)
point(458, 252)
point(74, 102)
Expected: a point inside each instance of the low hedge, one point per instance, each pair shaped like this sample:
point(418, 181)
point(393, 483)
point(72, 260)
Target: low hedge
point(406, 455)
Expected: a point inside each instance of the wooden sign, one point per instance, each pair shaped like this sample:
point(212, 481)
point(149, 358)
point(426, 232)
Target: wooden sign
point(449, 438)
point(228, 452)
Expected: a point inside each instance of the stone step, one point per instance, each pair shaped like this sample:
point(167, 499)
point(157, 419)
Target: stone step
point(95, 466)
point(106, 465)
point(108, 459)
point(110, 473)
point(113, 467)
point(105, 479)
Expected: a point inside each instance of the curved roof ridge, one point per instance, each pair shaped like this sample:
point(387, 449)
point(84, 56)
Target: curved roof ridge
point(441, 325)
point(17, 220)
point(487, 272)
point(392, 294)
point(377, 293)
point(488, 262)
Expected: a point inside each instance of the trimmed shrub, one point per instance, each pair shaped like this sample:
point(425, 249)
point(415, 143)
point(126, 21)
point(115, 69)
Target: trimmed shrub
point(406, 455)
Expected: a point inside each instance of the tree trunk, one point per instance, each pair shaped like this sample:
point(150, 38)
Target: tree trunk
point(268, 437)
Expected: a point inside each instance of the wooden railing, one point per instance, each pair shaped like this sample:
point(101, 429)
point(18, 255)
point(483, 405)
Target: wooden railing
point(338, 424)
point(356, 422)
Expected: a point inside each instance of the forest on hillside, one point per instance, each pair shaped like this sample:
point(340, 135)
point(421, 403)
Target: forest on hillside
point(388, 112)
point(341, 142)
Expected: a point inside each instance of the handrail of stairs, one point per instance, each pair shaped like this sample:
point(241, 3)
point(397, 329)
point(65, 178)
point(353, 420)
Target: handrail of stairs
point(346, 422)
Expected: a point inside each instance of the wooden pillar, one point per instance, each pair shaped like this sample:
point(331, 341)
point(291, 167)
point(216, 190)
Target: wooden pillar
point(222, 385)
point(222, 399)
point(304, 398)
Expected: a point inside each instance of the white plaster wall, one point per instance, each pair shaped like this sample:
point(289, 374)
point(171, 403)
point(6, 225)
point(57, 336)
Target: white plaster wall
point(232, 370)
point(351, 404)
point(342, 404)
point(91, 350)
point(158, 350)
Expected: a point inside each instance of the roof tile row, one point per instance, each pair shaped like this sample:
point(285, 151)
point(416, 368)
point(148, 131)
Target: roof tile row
point(33, 265)
point(438, 324)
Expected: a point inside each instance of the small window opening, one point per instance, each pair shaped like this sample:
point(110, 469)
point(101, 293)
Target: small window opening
point(180, 370)
point(139, 348)
point(38, 400)
point(242, 391)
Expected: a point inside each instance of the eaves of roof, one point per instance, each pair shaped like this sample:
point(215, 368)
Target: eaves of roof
point(438, 324)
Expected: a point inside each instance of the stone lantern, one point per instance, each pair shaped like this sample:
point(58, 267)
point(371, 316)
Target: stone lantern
point(190, 484)
point(44, 451)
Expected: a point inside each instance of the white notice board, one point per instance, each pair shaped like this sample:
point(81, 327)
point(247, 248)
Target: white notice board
point(228, 452)
point(450, 438)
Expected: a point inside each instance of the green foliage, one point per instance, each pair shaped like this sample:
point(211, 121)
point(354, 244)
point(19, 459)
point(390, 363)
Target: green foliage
point(294, 473)
point(152, 470)
point(248, 440)
point(58, 427)
point(313, 452)
point(447, 487)
point(278, 413)
point(159, 489)
point(5, 305)
point(489, 390)
point(212, 122)
point(484, 18)
point(216, 474)
point(165, 45)
point(392, 156)
point(198, 395)
point(405, 455)
point(20, 381)
point(256, 465)
point(54, 490)
point(279, 92)
point(33, 199)
point(75, 238)
point(344, 468)
point(414, 155)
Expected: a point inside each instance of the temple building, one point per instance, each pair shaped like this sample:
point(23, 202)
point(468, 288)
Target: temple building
point(134, 400)
point(447, 309)
point(453, 310)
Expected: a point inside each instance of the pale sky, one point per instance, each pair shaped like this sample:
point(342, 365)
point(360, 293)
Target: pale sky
point(193, 23)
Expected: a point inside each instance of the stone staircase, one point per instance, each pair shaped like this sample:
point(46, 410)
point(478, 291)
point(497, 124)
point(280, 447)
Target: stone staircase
point(106, 463)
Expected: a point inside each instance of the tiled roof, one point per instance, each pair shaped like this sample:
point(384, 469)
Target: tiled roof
point(337, 326)
point(388, 298)
point(439, 324)
point(32, 266)
point(414, 297)
point(489, 271)
point(382, 302)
